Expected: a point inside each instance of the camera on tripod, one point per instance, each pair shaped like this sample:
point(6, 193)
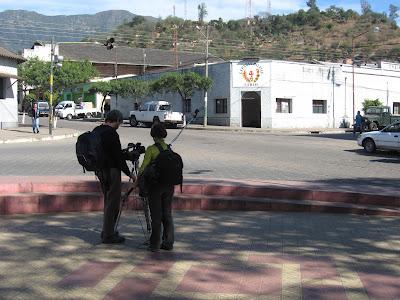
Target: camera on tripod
point(133, 151)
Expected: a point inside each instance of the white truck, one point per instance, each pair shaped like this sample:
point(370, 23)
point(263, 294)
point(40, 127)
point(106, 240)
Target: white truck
point(69, 110)
point(156, 111)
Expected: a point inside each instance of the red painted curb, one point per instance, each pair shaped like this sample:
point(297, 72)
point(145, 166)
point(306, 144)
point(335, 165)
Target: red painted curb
point(59, 196)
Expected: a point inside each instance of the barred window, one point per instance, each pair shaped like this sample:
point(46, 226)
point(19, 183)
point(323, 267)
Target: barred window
point(221, 106)
point(396, 108)
point(188, 105)
point(2, 88)
point(319, 106)
point(284, 105)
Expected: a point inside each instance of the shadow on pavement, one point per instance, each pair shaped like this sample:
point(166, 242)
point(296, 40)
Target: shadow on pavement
point(355, 243)
point(337, 136)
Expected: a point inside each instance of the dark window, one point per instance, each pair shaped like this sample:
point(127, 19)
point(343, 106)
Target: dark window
point(164, 107)
point(152, 107)
point(2, 88)
point(188, 105)
point(284, 105)
point(396, 108)
point(221, 106)
point(319, 106)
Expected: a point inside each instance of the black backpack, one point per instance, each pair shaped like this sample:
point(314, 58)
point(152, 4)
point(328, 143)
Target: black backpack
point(89, 149)
point(168, 166)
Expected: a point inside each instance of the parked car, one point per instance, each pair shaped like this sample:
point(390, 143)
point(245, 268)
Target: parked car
point(386, 139)
point(69, 109)
point(156, 111)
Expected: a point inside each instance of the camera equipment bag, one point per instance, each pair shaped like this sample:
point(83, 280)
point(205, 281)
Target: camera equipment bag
point(89, 149)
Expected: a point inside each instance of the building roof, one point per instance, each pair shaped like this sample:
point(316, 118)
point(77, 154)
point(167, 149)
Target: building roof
point(98, 53)
point(8, 54)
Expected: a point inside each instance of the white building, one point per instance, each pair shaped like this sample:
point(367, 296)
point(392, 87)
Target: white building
point(8, 88)
point(284, 94)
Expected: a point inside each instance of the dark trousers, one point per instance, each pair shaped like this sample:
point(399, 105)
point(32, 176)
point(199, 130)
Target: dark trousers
point(110, 180)
point(160, 203)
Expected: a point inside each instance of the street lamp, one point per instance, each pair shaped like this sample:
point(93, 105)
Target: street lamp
point(206, 67)
point(376, 29)
point(109, 45)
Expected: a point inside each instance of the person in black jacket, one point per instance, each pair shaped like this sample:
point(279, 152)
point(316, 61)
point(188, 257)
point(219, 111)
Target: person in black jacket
point(110, 175)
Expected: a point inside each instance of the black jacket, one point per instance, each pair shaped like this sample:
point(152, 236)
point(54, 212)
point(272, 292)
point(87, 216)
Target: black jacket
point(112, 149)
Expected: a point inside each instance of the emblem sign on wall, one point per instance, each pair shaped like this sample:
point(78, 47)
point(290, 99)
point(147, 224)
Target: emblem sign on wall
point(249, 74)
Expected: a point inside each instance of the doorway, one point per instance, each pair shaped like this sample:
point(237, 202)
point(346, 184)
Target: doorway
point(251, 109)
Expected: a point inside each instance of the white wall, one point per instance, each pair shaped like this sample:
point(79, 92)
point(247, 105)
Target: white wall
point(41, 52)
point(9, 105)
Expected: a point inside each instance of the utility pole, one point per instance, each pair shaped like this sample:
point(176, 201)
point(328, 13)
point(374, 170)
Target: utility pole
point(176, 46)
point(144, 61)
point(206, 71)
point(51, 87)
point(57, 60)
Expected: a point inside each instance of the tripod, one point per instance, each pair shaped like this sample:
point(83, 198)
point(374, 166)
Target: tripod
point(143, 201)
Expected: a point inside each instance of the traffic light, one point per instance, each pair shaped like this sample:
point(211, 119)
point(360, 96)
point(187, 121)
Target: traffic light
point(109, 43)
point(58, 60)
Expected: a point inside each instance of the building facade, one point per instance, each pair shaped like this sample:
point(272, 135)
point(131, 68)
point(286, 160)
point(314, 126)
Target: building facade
point(283, 94)
point(8, 88)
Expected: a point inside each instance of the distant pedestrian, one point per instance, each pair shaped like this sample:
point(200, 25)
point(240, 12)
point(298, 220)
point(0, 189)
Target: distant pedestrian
point(35, 118)
point(358, 123)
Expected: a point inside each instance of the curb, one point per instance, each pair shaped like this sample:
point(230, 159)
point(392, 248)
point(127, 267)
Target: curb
point(64, 196)
point(269, 131)
point(45, 138)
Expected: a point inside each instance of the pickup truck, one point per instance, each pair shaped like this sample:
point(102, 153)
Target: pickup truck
point(156, 111)
point(378, 117)
point(69, 109)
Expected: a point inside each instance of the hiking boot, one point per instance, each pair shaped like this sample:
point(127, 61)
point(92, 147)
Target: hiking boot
point(152, 249)
point(115, 239)
point(165, 247)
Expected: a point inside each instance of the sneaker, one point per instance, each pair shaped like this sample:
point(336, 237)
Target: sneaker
point(165, 247)
point(115, 239)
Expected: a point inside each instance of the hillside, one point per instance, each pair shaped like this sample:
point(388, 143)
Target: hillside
point(304, 35)
point(20, 28)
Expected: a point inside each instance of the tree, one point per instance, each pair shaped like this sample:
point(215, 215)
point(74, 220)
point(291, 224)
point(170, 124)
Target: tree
point(185, 84)
point(123, 87)
point(365, 7)
point(136, 20)
point(35, 73)
point(202, 11)
point(371, 102)
point(312, 4)
point(393, 12)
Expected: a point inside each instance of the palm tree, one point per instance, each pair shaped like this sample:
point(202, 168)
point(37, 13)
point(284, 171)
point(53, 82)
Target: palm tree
point(202, 9)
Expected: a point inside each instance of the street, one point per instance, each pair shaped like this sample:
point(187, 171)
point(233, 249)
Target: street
point(323, 158)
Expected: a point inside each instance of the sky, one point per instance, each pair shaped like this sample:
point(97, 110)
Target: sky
point(225, 9)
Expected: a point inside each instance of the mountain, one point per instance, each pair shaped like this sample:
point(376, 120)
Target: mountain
point(21, 28)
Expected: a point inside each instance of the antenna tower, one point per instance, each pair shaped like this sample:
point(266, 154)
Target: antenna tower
point(269, 9)
point(249, 15)
point(174, 9)
point(185, 9)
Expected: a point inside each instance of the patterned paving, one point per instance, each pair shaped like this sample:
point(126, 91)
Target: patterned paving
point(218, 255)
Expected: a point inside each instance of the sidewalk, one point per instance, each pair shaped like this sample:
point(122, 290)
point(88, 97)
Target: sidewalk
point(24, 133)
point(217, 255)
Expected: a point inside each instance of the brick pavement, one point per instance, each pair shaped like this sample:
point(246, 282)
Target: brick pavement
point(218, 255)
